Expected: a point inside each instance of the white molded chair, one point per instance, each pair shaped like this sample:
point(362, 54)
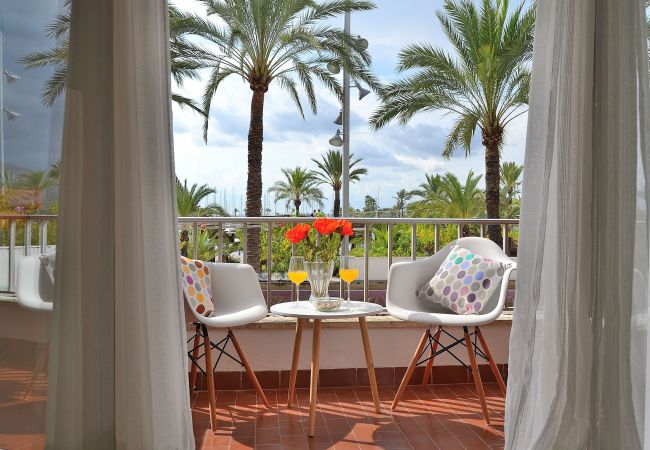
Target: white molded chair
point(34, 291)
point(238, 300)
point(404, 280)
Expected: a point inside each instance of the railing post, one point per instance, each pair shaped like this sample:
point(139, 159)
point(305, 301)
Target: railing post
point(505, 238)
point(414, 243)
point(195, 240)
point(366, 265)
point(27, 235)
point(390, 245)
point(12, 256)
point(220, 244)
point(42, 235)
point(244, 242)
point(269, 262)
point(482, 230)
point(436, 242)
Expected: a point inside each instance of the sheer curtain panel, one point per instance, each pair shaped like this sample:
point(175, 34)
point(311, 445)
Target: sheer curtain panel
point(577, 368)
point(117, 368)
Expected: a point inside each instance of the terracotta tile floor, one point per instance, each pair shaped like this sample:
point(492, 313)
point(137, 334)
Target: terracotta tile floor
point(429, 417)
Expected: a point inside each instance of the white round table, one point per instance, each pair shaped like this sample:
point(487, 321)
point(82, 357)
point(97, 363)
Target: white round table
point(304, 311)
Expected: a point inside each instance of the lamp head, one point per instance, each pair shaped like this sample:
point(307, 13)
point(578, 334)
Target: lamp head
point(337, 139)
point(362, 91)
point(333, 67)
point(339, 119)
point(363, 43)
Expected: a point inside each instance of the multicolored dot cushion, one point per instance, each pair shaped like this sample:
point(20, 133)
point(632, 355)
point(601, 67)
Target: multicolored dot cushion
point(195, 278)
point(464, 281)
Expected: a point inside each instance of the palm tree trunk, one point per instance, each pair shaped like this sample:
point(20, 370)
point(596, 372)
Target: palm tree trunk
point(254, 183)
point(492, 140)
point(296, 204)
point(337, 202)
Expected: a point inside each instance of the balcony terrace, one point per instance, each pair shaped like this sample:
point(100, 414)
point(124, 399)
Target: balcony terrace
point(439, 411)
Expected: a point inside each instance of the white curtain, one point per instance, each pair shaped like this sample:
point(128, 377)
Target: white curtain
point(118, 374)
point(577, 368)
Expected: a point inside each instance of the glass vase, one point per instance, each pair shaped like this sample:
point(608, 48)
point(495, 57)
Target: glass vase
point(319, 275)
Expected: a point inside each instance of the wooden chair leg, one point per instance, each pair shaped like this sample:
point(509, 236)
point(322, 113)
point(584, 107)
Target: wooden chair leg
point(476, 375)
point(40, 367)
point(411, 369)
point(249, 369)
point(209, 370)
point(195, 355)
point(294, 361)
point(432, 352)
point(493, 365)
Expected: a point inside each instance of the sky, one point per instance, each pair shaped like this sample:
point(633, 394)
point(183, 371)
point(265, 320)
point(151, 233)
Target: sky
point(397, 157)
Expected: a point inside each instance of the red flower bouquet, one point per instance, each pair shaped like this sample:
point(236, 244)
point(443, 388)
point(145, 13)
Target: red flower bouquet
point(330, 232)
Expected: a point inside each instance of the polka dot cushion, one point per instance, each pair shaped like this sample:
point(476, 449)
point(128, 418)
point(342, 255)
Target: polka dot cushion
point(195, 278)
point(464, 281)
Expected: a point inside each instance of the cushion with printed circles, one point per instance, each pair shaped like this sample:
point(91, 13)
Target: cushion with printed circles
point(195, 278)
point(464, 281)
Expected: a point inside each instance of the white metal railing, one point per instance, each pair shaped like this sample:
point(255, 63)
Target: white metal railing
point(365, 224)
point(10, 224)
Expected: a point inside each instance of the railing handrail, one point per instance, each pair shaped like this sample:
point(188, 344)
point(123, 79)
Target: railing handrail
point(294, 219)
point(359, 220)
point(365, 223)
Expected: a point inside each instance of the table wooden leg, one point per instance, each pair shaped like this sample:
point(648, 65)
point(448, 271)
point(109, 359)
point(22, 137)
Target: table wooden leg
point(294, 361)
point(369, 363)
point(313, 387)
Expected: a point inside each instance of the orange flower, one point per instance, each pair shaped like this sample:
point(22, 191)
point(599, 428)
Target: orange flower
point(297, 233)
point(346, 228)
point(326, 226)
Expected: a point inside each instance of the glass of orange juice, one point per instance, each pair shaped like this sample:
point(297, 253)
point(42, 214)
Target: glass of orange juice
point(297, 273)
point(348, 271)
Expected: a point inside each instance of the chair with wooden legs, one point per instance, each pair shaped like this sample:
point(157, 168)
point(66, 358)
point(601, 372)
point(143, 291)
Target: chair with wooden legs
point(238, 301)
point(402, 302)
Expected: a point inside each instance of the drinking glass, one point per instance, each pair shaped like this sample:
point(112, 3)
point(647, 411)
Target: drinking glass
point(348, 272)
point(297, 273)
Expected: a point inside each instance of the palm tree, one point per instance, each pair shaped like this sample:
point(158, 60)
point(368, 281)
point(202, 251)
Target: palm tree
point(330, 172)
point(188, 204)
point(429, 191)
point(299, 185)
point(510, 188)
point(485, 85)
point(288, 43)
point(370, 204)
point(401, 197)
point(183, 63)
point(464, 201)
point(35, 181)
point(55, 171)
